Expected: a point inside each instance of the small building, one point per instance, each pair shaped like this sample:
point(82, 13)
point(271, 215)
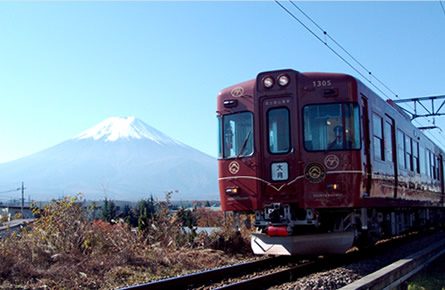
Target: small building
point(12, 210)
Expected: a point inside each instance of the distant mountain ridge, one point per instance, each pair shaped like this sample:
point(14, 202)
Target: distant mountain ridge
point(121, 158)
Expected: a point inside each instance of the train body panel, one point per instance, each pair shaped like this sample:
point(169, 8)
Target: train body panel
point(320, 152)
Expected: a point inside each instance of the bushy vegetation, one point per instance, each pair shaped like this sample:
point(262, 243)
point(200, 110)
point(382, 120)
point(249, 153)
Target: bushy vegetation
point(66, 248)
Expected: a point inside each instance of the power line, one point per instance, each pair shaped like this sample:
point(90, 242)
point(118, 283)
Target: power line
point(328, 46)
point(8, 191)
point(443, 9)
point(344, 50)
point(334, 51)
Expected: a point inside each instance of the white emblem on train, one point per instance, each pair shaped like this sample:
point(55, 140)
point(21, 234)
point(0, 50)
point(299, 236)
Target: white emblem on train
point(331, 161)
point(234, 167)
point(237, 92)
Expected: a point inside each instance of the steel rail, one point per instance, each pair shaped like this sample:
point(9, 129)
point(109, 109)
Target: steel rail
point(204, 277)
point(279, 277)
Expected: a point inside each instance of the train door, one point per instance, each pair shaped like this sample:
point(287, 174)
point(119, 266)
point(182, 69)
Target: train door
point(277, 146)
point(367, 144)
point(390, 149)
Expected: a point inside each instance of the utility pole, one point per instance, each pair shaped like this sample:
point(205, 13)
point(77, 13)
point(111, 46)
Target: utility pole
point(23, 197)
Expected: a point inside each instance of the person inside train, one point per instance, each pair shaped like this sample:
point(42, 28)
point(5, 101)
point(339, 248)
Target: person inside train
point(337, 143)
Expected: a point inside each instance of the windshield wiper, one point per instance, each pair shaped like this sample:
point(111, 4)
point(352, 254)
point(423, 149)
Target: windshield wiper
point(244, 144)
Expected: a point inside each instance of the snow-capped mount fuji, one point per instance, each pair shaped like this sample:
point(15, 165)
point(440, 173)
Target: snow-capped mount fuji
point(116, 128)
point(121, 158)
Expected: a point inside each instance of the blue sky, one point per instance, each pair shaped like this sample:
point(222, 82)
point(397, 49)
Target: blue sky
point(66, 66)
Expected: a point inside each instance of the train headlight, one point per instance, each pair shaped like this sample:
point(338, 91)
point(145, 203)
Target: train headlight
point(334, 186)
point(283, 80)
point(232, 190)
point(268, 82)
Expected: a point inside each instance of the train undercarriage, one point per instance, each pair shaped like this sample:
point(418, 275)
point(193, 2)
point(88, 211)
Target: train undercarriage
point(285, 229)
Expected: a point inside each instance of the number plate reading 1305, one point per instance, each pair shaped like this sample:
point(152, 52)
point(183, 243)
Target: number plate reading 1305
point(322, 83)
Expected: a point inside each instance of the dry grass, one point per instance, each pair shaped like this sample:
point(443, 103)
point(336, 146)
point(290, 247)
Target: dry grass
point(63, 249)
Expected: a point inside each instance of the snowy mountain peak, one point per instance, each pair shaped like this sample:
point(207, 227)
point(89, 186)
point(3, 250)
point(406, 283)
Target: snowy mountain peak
point(113, 129)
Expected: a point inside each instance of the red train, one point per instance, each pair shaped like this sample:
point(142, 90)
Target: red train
point(323, 163)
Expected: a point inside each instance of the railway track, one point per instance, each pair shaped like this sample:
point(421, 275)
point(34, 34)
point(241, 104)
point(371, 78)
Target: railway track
point(215, 276)
point(268, 272)
point(254, 274)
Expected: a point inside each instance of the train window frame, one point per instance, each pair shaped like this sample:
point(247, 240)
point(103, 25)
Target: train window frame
point(401, 152)
point(409, 153)
point(415, 156)
point(289, 132)
point(354, 126)
point(428, 162)
point(422, 164)
point(248, 138)
point(220, 137)
point(431, 162)
point(378, 137)
point(388, 139)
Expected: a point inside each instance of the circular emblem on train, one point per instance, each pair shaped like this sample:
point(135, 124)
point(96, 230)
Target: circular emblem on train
point(314, 172)
point(234, 167)
point(237, 92)
point(331, 161)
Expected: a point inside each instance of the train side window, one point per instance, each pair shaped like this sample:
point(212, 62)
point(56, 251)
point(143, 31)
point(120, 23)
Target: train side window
point(432, 171)
point(409, 153)
point(436, 167)
point(401, 148)
point(433, 165)
point(422, 161)
point(377, 123)
point(238, 135)
point(415, 147)
point(428, 163)
point(279, 133)
point(388, 131)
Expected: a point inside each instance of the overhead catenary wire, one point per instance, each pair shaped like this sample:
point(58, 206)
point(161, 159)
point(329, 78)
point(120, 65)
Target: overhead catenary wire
point(443, 8)
point(345, 52)
point(328, 46)
point(339, 45)
point(343, 49)
point(8, 191)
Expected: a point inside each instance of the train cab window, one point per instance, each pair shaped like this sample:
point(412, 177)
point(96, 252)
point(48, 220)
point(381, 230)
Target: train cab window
point(279, 133)
point(237, 132)
point(331, 127)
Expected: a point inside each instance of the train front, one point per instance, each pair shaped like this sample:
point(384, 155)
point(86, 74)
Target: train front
point(290, 152)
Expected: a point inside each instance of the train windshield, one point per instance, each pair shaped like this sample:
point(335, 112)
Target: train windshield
point(331, 127)
point(237, 133)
